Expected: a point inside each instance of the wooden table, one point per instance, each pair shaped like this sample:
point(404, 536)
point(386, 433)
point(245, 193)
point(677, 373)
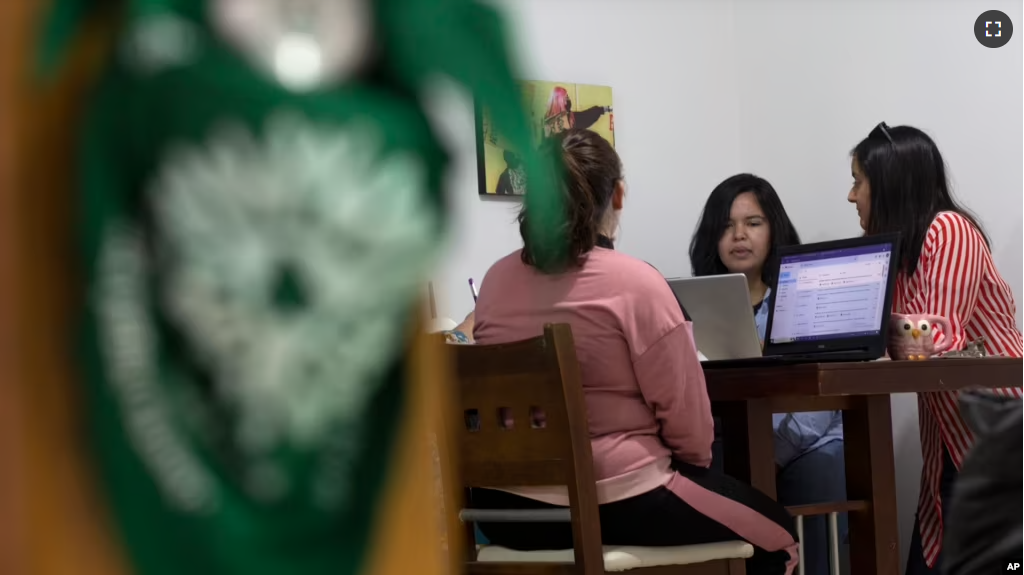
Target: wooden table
point(746, 398)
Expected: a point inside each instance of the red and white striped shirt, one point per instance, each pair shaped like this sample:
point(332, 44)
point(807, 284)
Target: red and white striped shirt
point(956, 279)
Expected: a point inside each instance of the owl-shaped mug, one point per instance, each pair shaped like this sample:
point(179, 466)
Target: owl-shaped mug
point(912, 337)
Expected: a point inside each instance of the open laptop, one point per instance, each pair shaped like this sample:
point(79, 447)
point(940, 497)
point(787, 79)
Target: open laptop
point(722, 315)
point(831, 302)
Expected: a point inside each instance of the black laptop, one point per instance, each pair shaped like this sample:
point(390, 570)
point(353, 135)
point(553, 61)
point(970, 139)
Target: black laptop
point(831, 302)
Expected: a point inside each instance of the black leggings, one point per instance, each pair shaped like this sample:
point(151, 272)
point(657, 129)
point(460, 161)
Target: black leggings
point(657, 518)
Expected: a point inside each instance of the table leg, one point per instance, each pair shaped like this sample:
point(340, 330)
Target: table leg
point(871, 476)
point(748, 442)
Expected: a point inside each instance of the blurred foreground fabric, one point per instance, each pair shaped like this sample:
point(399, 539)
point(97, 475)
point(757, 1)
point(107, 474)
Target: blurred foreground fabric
point(253, 229)
point(984, 529)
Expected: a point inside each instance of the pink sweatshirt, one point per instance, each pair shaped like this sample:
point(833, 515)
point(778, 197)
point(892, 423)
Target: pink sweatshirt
point(642, 381)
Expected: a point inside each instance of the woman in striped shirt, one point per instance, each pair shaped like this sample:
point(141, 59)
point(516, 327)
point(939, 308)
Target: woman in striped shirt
point(946, 269)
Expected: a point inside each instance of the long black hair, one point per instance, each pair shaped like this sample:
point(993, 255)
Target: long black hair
point(714, 221)
point(908, 187)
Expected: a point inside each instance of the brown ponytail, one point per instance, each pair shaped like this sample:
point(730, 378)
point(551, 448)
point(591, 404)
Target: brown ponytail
point(590, 170)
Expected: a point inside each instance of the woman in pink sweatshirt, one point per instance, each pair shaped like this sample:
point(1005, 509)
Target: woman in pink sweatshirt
point(647, 404)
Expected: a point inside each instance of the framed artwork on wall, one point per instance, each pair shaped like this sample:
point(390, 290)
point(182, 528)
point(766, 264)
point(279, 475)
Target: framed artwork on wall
point(552, 107)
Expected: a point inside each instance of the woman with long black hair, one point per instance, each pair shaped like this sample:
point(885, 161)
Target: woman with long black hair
point(741, 229)
point(946, 269)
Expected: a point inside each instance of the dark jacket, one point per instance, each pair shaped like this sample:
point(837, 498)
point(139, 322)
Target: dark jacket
point(983, 530)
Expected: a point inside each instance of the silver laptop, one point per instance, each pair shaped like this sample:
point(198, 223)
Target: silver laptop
point(722, 315)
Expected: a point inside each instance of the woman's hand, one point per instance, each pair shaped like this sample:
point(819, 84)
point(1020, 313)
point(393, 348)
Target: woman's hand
point(466, 326)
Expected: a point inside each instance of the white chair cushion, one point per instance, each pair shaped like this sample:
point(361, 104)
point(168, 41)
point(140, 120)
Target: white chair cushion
point(623, 558)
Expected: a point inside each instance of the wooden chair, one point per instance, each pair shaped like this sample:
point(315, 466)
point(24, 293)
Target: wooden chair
point(525, 424)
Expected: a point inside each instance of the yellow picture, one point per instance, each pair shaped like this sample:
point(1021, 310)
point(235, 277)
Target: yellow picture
point(552, 107)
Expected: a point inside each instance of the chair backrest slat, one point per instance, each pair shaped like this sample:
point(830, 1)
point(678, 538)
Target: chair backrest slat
point(515, 422)
point(525, 424)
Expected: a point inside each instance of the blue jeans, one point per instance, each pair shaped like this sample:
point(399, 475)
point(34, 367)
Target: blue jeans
point(915, 559)
point(818, 476)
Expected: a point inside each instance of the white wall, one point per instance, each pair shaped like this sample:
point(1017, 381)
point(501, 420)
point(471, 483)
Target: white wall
point(675, 100)
point(781, 88)
point(816, 76)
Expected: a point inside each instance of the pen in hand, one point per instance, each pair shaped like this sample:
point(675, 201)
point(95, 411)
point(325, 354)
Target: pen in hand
point(472, 289)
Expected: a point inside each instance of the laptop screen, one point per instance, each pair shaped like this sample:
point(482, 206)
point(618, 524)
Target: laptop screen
point(831, 294)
